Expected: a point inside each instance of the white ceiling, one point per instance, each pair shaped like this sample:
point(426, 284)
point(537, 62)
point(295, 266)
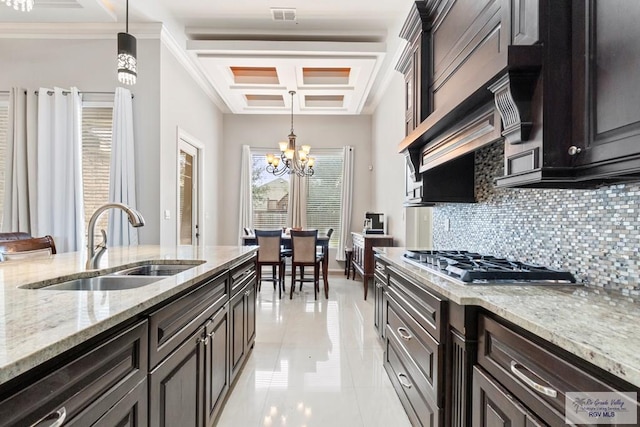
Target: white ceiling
point(337, 55)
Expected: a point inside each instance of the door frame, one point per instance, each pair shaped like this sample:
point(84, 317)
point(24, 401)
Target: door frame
point(183, 137)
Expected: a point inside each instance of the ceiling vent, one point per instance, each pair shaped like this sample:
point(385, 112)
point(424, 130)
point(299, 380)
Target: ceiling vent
point(281, 14)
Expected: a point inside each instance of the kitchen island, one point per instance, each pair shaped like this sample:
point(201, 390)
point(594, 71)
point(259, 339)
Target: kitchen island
point(41, 330)
point(494, 342)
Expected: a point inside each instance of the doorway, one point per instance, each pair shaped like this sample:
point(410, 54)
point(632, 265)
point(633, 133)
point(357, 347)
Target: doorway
point(189, 191)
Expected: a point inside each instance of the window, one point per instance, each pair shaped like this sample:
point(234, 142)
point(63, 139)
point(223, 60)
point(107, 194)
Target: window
point(270, 195)
point(324, 200)
point(96, 162)
point(96, 156)
point(4, 123)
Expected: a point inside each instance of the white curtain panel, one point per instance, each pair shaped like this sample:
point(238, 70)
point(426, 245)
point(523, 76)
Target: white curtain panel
point(347, 203)
point(246, 202)
point(297, 209)
point(122, 183)
point(20, 163)
point(60, 210)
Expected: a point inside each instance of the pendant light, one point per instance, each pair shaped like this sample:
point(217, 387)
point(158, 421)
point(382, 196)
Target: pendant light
point(21, 5)
point(127, 63)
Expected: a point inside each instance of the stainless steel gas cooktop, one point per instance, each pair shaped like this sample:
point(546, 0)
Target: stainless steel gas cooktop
point(470, 268)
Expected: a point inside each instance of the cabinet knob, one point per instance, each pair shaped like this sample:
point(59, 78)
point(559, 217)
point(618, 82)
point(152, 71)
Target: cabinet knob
point(54, 419)
point(573, 150)
point(404, 334)
point(204, 340)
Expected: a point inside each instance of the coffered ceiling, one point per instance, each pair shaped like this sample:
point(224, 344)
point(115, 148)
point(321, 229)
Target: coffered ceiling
point(336, 54)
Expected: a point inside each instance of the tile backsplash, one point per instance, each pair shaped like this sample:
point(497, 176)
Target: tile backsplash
point(595, 233)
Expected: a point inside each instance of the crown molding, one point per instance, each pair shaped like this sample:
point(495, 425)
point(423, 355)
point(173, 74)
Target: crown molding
point(193, 69)
point(151, 30)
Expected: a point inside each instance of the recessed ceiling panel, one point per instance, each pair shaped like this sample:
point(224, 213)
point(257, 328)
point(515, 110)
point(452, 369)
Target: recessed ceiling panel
point(274, 101)
point(326, 76)
point(255, 75)
point(324, 101)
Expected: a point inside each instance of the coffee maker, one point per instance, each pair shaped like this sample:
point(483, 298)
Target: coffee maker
point(374, 223)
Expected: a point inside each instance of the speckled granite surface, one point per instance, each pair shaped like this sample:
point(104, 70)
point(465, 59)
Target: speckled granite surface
point(37, 324)
point(595, 325)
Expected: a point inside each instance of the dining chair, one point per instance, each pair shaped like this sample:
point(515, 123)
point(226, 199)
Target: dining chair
point(304, 254)
point(269, 244)
point(35, 247)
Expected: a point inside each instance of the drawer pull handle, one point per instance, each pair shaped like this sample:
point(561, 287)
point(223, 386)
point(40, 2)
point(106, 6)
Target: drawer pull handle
point(404, 334)
point(547, 391)
point(404, 384)
point(58, 417)
point(204, 339)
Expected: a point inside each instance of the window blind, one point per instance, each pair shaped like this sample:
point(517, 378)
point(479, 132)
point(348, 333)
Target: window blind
point(96, 159)
point(324, 201)
point(4, 124)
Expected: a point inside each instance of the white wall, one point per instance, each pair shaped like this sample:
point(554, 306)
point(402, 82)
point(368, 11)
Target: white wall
point(185, 105)
point(90, 65)
point(389, 166)
point(318, 131)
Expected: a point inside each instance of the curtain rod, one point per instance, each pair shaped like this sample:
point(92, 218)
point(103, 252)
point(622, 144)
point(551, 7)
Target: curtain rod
point(66, 92)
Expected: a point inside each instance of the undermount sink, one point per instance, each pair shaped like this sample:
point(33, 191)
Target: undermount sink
point(103, 283)
point(154, 270)
point(126, 278)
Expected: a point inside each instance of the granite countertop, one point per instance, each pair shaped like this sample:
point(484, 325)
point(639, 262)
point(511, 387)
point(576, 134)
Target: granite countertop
point(595, 325)
point(37, 325)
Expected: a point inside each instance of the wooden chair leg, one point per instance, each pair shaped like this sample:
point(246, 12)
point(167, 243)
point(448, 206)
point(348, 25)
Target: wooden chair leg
point(273, 275)
point(293, 283)
point(316, 280)
point(301, 276)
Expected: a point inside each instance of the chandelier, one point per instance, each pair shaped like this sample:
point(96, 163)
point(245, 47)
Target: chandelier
point(292, 159)
point(127, 63)
point(22, 5)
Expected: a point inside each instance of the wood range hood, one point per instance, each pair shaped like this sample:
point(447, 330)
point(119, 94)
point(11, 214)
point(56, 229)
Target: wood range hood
point(477, 71)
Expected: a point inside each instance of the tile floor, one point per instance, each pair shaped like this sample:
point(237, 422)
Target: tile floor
point(314, 364)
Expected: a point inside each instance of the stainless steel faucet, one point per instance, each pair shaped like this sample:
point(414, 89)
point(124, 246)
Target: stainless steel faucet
point(94, 253)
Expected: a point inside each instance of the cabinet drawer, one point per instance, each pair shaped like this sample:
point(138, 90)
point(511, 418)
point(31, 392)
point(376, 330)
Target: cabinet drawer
point(493, 406)
point(421, 408)
point(98, 379)
point(241, 274)
point(173, 323)
point(539, 378)
point(425, 307)
point(423, 350)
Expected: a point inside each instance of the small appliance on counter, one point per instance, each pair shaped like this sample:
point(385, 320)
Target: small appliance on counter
point(374, 223)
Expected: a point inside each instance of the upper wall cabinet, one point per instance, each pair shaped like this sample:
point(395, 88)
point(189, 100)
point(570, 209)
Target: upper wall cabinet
point(577, 110)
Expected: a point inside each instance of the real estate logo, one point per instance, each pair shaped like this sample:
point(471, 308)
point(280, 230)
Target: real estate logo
point(601, 408)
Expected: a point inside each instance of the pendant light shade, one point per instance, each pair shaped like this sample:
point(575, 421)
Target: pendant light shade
point(21, 5)
point(127, 62)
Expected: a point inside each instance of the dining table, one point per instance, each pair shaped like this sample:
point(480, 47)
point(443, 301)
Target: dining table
point(322, 241)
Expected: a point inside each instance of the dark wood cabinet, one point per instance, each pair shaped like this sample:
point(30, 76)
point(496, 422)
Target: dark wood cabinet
point(216, 365)
point(495, 407)
point(380, 281)
point(363, 256)
point(242, 315)
point(606, 89)
point(176, 386)
point(130, 411)
point(414, 349)
point(86, 386)
point(534, 373)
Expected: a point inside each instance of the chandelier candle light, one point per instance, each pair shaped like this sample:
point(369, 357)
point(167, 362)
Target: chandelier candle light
point(22, 5)
point(292, 159)
point(127, 63)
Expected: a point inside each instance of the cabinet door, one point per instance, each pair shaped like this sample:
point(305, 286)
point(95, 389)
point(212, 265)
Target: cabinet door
point(379, 283)
point(494, 407)
point(250, 314)
point(175, 386)
point(237, 340)
point(607, 86)
point(216, 367)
